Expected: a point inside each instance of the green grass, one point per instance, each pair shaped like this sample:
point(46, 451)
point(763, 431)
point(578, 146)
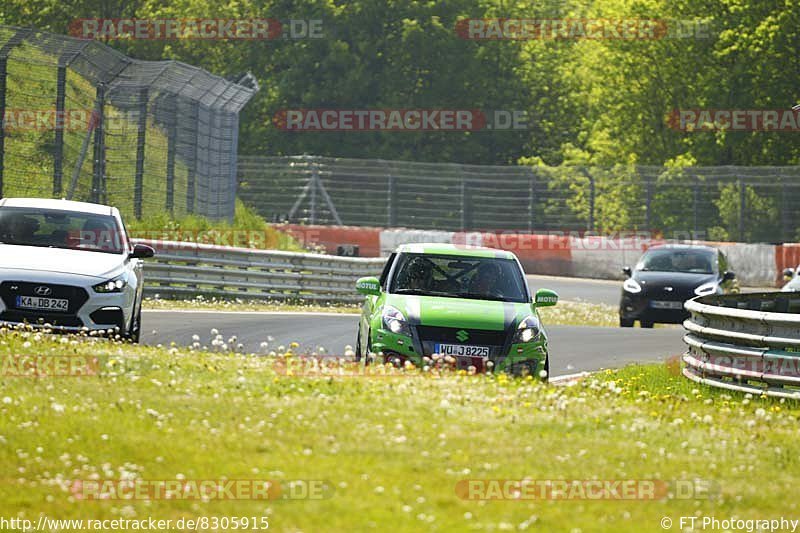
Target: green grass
point(571, 313)
point(390, 449)
point(213, 304)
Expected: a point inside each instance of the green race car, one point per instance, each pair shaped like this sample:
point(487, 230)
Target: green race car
point(467, 304)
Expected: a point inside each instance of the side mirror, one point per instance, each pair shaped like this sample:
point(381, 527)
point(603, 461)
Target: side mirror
point(545, 298)
point(142, 251)
point(728, 276)
point(627, 271)
point(788, 274)
point(369, 286)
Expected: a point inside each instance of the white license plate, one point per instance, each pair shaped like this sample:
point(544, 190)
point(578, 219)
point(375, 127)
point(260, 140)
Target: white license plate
point(42, 304)
point(460, 350)
point(660, 304)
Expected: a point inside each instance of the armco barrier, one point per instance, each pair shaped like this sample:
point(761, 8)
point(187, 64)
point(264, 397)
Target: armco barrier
point(745, 342)
point(185, 270)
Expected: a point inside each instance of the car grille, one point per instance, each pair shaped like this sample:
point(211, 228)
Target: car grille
point(76, 296)
point(449, 335)
point(429, 336)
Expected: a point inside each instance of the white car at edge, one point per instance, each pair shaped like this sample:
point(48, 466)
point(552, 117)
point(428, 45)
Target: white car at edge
point(69, 266)
point(791, 275)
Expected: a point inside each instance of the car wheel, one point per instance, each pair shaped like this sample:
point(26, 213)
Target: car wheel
point(135, 331)
point(625, 323)
point(522, 369)
point(646, 324)
point(358, 344)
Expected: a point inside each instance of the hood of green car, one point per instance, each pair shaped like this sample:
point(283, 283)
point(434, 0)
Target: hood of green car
point(459, 312)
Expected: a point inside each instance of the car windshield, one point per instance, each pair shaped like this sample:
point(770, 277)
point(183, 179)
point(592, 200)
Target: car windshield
point(477, 278)
point(73, 230)
point(690, 261)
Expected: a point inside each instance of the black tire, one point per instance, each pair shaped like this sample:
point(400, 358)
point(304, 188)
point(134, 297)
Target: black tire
point(358, 344)
point(135, 330)
point(625, 323)
point(646, 324)
point(522, 369)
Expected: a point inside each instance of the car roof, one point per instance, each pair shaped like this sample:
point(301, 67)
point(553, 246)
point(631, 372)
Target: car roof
point(58, 205)
point(436, 248)
point(679, 247)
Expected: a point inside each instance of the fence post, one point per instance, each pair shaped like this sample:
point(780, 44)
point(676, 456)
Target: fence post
point(138, 186)
point(391, 200)
point(591, 200)
point(3, 78)
point(191, 164)
point(695, 207)
point(466, 206)
point(532, 200)
point(58, 149)
point(171, 148)
point(742, 206)
point(784, 212)
point(313, 191)
point(648, 201)
point(98, 169)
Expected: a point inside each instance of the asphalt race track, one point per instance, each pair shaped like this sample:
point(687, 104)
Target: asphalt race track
point(573, 348)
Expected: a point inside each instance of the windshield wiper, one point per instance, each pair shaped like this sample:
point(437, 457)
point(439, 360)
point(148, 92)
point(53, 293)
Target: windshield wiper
point(422, 292)
point(477, 296)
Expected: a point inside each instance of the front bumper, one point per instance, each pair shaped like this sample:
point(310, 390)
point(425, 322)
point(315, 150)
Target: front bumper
point(417, 348)
point(87, 310)
point(637, 307)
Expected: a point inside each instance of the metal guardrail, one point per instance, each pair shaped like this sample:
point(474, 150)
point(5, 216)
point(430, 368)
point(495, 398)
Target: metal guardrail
point(745, 342)
point(186, 270)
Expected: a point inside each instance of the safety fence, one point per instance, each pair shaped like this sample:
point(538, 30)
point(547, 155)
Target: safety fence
point(745, 342)
point(744, 204)
point(187, 270)
point(83, 121)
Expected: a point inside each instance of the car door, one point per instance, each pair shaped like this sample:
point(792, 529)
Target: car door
point(372, 304)
point(135, 266)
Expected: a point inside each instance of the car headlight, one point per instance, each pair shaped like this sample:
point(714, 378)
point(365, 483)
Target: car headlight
point(527, 331)
point(395, 321)
point(706, 288)
point(632, 286)
point(112, 285)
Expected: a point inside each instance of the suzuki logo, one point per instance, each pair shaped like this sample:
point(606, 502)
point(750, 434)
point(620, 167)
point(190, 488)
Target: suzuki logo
point(41, 290)
point(462, 335)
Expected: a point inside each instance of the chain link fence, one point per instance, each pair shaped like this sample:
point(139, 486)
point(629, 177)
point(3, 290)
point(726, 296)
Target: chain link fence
point(85, 122)
point(745, 204)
